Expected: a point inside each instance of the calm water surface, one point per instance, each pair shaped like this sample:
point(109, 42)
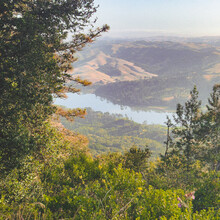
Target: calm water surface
point(100, 104)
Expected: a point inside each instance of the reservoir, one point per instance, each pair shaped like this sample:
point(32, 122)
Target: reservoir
point(96, 103)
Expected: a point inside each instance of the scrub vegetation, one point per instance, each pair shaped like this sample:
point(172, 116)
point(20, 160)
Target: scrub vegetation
point(48, 172)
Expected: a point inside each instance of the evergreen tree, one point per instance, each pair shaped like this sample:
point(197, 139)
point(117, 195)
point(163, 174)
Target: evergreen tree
point(195, 141)
point(35, 60)
point(209, 132)
point(186, 124)
point(136, 158)
point(168, 142)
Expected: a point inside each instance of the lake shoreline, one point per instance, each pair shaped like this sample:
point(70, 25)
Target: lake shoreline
point(97, 103)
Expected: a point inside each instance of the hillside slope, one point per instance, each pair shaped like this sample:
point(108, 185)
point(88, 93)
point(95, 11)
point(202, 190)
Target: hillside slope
point(110, 133)
point(106, 69)
point(169, 70)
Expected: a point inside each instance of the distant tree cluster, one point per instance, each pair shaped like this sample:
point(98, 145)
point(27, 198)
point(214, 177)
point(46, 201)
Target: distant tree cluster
point(148, 92)
point(110, 133)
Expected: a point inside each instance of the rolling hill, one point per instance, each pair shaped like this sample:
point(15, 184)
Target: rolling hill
point(104, 69)
point(149, 73)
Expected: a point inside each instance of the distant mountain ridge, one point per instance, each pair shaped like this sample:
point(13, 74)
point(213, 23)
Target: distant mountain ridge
point(112, 62)
point(155, 63)
point(105, 69)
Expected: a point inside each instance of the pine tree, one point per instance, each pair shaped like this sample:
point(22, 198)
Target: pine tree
point(209, 132)
point(136, 158)
point(186, 125)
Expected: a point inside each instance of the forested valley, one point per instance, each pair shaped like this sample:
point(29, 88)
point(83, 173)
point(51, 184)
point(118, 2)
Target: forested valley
point(47, 170)
point(113, 133)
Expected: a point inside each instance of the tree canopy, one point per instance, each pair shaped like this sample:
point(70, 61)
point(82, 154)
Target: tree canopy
point(35, 59)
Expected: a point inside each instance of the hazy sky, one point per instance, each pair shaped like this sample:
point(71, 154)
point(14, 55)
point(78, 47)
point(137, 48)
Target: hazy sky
point(165, 17)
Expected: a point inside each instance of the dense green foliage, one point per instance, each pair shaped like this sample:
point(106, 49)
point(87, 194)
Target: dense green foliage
point(109, 133)
point(62, 180)
point(66, 182)
point(47, 172)
point(35, 58)
point(196, 134)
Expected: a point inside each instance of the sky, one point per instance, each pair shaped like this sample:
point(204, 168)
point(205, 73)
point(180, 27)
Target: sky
point(191, 18)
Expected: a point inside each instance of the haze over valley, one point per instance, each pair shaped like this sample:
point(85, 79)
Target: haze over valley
point(147, 77)
point(150, 73)
point(121, 132)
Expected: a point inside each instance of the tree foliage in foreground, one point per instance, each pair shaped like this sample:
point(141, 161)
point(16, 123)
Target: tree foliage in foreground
point(35, 64)
point(57, 178)
point(63, 181)
point(209, 132)
point(66, 182)
point(193, 143)
point(196, 133)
